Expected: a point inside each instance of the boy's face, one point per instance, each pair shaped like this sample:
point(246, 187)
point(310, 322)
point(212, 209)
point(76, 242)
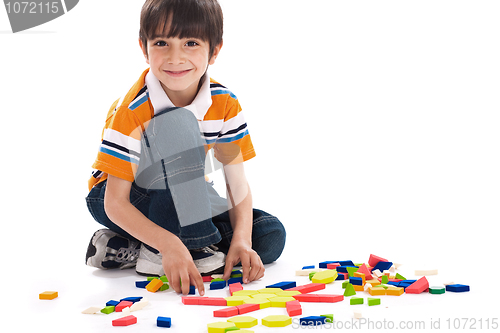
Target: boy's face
point(179, 64)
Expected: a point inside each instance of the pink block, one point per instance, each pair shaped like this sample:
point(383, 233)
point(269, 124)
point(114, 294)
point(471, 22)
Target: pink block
point(191, 300)
point(418, 286)
point(125, 321)
point(375, 259)
point(325, 298)
point(306, 297)
point(235, 287)
point(122, 305)
point(227, 312)
point(332, 266)
point(207, 278)
point(363, 269)
point(218, 301)
point(245, 308)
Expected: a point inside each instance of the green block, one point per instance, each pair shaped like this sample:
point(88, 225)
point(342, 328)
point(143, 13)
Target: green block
point(351, 270)
point(357, 300)
point(385, 279)
point(344, 284)
point(329, 317)
point(373, 301)
point(108, 309)
point(234, 328)
point(349, 290)
point(311, 275)
point(236, 275)
point(215, 280)
point(437, 290)
point(163, 278)
point(164, 287)
point(151, 278)
point(400, 277)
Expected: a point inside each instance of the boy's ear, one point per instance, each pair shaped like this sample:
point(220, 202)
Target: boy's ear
point(144, 50)
point(216, 53)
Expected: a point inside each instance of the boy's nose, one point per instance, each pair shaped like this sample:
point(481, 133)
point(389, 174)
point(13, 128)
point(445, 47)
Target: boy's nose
point(176, 56)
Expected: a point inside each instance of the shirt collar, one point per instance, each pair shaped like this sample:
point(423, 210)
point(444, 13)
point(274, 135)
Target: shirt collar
point(160, 100)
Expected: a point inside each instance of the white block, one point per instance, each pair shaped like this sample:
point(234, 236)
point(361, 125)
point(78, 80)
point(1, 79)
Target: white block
point(92, 310)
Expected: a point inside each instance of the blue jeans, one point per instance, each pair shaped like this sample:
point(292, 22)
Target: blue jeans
point(170, 189)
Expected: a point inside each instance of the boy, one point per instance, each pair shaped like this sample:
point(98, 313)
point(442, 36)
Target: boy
point(148, 186)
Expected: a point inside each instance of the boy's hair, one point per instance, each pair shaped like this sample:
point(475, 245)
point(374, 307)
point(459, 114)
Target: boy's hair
point(189, 18)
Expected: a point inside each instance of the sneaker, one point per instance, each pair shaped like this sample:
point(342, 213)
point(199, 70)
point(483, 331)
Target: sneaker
point(107, 249)
point(208, 261)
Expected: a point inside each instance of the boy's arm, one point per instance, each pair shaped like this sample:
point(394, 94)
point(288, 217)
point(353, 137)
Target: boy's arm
point(241, 216)
point(177, 261)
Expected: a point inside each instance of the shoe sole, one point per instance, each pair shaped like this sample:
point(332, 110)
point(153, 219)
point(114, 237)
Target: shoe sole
point(94, 259)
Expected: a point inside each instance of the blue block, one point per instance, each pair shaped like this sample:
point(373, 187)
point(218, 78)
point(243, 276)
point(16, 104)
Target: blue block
point(392, 283)
point(309, 267)
point(346, 263)
point(218, 285)
point(382, 266)
point(163, 322)
point(324, 263)
point(141, 284)
point(312, 321)
point(343, 269)
point(112, 303)
point(457, 288)
point(192, 290)
point(283, 285)
point(132, 299)
point(356, 281)
point(340, 277)
point(235, 280)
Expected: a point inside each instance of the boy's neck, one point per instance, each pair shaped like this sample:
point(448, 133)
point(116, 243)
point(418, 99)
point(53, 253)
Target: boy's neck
point(185, 97)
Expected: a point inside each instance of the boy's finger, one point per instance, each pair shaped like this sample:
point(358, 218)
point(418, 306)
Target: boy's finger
point(198, 283)
point(174, 282)
point(185, 283)
point(227, 270)
point(245, 265)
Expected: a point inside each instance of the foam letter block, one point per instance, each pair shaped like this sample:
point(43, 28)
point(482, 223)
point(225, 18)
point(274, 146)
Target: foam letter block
point(418, 287)
point(163, 322)
point(48, 295)
point(125, 321)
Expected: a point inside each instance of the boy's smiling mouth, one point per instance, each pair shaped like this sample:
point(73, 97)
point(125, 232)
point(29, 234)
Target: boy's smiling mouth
point(177, 73)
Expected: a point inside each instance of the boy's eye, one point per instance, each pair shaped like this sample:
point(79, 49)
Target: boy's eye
point(191, 43)
point(160, 43)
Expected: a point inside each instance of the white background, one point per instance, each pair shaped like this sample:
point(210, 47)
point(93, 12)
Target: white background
point(375, 125)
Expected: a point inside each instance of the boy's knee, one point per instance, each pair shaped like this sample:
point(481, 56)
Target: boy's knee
point(271, 245)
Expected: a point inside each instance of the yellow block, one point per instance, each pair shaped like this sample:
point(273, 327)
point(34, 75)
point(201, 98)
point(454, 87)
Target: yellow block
point(266, 296)
point(280, 302)
point(374, 282)
point(288, 293)
point(327, 276)
point(361, 275)
point(48, 295)
point(219, 327)
point(263, 302)
point(236, 300)
point(244, 321)
point(270, 290)
point(376, 291)
point(276, 321)
point(245, 293)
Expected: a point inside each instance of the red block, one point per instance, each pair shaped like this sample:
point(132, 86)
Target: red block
point(191, 300)
point(125, 321)
point(306, 297)
point(207, 278)
point(293, 308)
point(332, 266)
point(227, 312)
point(309, 288)
point(235, 287)
point(122, 305)
point(374, 260)
point(325, 298)
point(218, 301)
point(245, 308)
point(363, 269)
point(418, 286)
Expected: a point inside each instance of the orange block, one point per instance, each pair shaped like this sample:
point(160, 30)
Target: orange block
point(48, 295)
point(361, 275)
point(394, 291)
point(376, 291)
point(154, 285)
point(373, 282)
point(358, 287)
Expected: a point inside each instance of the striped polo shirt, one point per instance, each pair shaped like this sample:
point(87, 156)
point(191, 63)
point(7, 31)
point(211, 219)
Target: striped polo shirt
point(220, 118)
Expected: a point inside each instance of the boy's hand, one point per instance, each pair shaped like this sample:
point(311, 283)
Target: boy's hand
point(180, 270)
point(252, 266)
